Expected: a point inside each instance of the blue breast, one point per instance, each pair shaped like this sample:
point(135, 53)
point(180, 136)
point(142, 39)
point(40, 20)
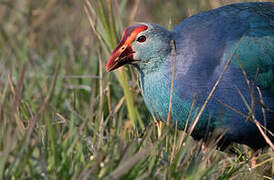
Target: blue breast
point(156, 88)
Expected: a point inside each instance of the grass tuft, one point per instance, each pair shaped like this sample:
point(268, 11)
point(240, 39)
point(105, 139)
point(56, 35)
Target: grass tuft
point(63, 117)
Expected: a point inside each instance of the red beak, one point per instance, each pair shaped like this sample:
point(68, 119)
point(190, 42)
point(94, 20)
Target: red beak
point(122, 54)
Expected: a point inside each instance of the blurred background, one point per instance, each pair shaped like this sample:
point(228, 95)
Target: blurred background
point(44, 24)
point(60, 113)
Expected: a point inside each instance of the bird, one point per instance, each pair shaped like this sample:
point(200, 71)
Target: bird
point(217, 64)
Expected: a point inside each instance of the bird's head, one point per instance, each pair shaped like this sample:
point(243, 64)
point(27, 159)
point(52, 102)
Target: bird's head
point(144, 45)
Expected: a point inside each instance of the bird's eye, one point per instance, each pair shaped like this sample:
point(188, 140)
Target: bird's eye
point(141, 39)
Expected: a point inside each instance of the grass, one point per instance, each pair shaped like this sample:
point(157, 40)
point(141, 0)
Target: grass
point(63, 117)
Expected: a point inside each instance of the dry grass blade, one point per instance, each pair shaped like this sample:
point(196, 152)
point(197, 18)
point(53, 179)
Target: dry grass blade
point(263, 110)
point(117, 108)
point(19, 89)
point(172, 156)
point(262, 102)
point(172, 80)
point(125, 167)
point(87, 9)
point(232, 108)
point(261, 163)
point(190, 112)
point(268, 141)
point(251, 109)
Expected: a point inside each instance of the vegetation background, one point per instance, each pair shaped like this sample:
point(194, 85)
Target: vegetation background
point(63, 117)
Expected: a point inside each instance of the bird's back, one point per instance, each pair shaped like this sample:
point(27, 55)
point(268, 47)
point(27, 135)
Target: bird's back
point(204, 43)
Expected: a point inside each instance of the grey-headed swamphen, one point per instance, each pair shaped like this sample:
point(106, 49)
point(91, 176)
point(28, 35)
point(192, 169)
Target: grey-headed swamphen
point(231, 47)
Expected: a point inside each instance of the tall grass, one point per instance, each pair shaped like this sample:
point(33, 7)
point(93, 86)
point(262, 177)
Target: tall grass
point(63, 117)
point(106, 32)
